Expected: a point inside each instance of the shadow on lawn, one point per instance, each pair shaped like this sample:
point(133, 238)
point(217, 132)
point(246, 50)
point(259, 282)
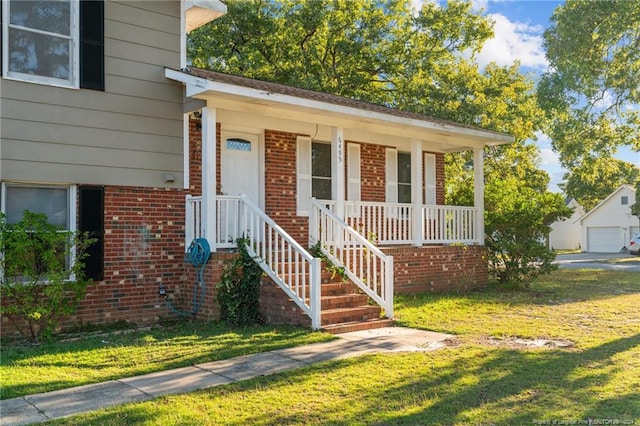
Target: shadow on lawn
point(445, 387)
point(534, 387)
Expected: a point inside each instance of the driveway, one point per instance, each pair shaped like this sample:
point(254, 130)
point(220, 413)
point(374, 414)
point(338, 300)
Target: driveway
point(607, 261)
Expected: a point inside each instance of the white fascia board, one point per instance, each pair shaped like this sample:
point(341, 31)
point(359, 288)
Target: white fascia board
point(194, 85)
point(202, 85)
point(199, 12)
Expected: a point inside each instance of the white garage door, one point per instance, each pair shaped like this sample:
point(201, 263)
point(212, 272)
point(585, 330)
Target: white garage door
point(604, 239)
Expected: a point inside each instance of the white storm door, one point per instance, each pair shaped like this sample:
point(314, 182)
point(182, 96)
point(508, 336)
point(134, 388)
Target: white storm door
point(239, 175)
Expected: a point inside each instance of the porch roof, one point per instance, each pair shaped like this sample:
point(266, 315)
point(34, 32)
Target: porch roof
point(242, 93)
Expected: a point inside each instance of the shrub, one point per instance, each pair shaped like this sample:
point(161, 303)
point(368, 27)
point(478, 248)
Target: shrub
point(239, 289)
point(42, 281)
point(518, 223)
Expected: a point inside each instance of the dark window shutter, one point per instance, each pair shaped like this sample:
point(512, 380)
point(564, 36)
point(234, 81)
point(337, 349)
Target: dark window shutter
point(92, 44)
point(91, 221)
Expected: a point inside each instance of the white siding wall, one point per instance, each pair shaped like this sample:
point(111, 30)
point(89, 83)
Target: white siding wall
point(611, 214)
point(567, 234)
point(130, 134)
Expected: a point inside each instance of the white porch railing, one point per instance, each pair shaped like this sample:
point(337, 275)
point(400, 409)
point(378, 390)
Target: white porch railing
point(193, 219)
point(289, 265)
point(450, 224)
point(368, 267)
point(392, 223)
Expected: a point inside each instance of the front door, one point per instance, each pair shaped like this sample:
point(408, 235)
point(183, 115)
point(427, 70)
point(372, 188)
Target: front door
point(240, 175)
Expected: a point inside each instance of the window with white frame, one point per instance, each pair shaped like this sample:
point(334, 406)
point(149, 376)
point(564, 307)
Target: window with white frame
point(624, 200)
point(313, 170)
point(57, 202)
point(40, 40)
point(54, 42)
point(404, 177)
point(321, 171)
point(398, 176)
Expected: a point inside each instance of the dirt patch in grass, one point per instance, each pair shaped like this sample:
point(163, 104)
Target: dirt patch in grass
point(520, 343)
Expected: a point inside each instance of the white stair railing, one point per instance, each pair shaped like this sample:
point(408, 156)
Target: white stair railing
point(288, 264)
point(368, 267)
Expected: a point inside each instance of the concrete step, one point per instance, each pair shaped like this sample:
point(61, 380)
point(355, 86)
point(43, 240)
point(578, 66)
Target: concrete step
point(357, 326)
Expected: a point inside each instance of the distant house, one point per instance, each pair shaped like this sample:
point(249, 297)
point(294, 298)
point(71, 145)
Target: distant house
point(567, 234)
point(608, 227)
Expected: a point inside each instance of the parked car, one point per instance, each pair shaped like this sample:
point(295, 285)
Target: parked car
point(634, 244)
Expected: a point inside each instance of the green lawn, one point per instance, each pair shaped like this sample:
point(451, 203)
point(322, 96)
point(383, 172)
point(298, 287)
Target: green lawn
point(28, 369)
point(487, 375)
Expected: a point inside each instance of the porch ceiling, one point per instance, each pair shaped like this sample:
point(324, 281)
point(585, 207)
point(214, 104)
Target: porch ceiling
point(235, 93)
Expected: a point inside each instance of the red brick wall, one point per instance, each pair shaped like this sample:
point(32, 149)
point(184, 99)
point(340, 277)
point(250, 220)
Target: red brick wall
point(143, 249)
point(438, 268)
point(373, 173)
point(280, 182)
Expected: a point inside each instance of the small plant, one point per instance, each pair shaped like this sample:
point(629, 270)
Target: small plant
point(316, 251)
point(239, 288)
point(41, 280)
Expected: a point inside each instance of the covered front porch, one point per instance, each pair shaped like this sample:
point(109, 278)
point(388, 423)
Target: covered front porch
point(354, 180)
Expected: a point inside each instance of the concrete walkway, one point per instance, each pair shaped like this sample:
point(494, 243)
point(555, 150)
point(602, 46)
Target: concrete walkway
point(67, 402)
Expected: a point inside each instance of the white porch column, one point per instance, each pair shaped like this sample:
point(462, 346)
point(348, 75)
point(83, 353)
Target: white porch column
point(478, 191)
point(337, 169)
point(416, 192)
point(209, 175)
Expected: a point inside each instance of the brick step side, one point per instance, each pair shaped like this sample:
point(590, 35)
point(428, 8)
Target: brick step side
point(341, 315)
point(343, 301)
point(348, 327)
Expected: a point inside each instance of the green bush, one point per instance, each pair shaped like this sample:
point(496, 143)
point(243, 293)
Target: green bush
point(518, 223)
point(239, 289)
point(41, 280)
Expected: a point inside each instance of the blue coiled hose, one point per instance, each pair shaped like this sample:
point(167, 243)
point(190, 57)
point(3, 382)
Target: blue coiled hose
point(198, 255)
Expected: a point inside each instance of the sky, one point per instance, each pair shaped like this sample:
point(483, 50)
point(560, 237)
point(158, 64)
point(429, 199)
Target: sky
point(518, 29)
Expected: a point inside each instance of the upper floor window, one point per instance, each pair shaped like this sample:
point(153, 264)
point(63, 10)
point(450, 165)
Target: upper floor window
point(40, 41)
point(55, 42)
point(624, 200)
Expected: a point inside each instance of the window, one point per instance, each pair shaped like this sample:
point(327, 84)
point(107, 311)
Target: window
point(624, 200)
point(404, 177)
point(321, 171)
point(313, 170)
point(57, 42)
point(239, 144)
point(57, 202)
point(52, 201)
point(398, 176)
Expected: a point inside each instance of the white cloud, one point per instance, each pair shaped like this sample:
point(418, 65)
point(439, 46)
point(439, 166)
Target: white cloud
point(514, 41)
point(548, 157)
point(479, 5)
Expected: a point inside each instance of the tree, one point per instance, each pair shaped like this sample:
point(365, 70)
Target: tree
point(591, 93)
point(378, 52)
point(635, 208)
